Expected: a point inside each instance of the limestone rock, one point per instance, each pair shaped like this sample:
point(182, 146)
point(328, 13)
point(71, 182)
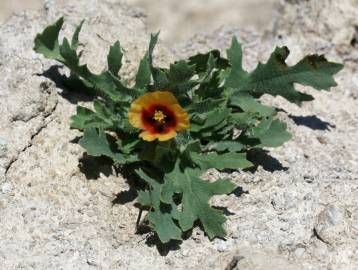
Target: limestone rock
point(56, 208)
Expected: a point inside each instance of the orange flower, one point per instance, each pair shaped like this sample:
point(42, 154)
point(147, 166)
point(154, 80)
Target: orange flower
point(159, 115)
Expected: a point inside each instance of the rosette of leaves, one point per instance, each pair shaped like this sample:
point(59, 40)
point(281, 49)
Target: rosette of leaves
point(227, 119)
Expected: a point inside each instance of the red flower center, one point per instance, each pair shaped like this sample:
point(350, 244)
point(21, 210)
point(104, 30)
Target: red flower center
point(158, 119)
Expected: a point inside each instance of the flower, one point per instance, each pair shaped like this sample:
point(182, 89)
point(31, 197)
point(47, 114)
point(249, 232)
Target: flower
point(159, 115)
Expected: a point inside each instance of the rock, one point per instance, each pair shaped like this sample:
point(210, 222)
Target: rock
point(61, 216)
point(251, 259)
point(331, 225)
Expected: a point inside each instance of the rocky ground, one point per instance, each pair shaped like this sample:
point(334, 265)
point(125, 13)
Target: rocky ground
point(299, 209)
point(180, 20)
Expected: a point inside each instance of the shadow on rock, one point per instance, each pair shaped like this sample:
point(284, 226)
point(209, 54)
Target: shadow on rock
point(163, 249)
point(125, 196)
point(225, 210)
point(92, 167)
point(134, 181)
point(239, 191)
point(74, 90)
point(261, 157)
point(312, 122)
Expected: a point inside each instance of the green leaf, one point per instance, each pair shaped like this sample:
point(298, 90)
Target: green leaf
point(86, 118)
point(164, 226)
point(97, 144)
point(234, 55)
point(163, 222)
point(114, 58)
point(244, 120)
point(271, 133)
point(249, 104)
point(47, 44)
point(144, 73)
point(195, 196)
point(206, 105)
point(221, 161)
point(277, 78)
point(223, 146)
point(144, 198)
point(179, 76)
point(215, 117)
point(104, 84)
point(160, 78)
point(201, 61)
point(68, 53)
point(180, 72)
point(74, 42)
point(159, 155)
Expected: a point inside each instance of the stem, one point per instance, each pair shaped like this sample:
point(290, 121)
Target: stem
point(138, 219)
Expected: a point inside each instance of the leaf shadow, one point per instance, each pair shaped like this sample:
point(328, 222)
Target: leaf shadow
point(92, 167)
point(163, 248)
point(312, 122)
point(74, 90)
point(239, 191)
point(133, 180)
point(260, 157)
point(225, 210)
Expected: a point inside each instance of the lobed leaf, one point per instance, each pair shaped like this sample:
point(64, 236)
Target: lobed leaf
point(277, 78)
point(162, 221)
point(195, 196)
point(97, 144)
point(271, 133)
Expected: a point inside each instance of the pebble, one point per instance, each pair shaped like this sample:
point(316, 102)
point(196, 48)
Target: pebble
point(222, 247)
point(331, 224)
point(299, 252)
point(6, 187)
point(185, 253)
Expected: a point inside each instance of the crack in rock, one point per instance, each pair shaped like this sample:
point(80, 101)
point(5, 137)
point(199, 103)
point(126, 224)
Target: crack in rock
point(46, 123)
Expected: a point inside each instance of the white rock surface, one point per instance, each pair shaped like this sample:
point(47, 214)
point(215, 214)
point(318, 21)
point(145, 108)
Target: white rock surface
point(302, 214)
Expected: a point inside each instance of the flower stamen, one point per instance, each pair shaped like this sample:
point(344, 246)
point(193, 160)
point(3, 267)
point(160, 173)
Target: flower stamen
point(159, 116)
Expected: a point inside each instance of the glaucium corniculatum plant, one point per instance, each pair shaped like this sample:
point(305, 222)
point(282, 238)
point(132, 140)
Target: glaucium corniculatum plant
point(175, 123)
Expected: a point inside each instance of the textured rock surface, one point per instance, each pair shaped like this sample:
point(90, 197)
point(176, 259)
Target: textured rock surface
point(299, 209)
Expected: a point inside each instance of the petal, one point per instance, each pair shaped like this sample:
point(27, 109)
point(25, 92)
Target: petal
point(157, 97)
point(164, 137)
point(182, 117)
point(135, 116)
point(147, 136)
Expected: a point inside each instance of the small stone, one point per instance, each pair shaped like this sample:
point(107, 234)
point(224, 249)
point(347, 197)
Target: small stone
point(6, 187)
point(299, 252)
point(185, 253)
point(322, 140)
point(290, 156)
point(331, 224)
point(222, 247)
